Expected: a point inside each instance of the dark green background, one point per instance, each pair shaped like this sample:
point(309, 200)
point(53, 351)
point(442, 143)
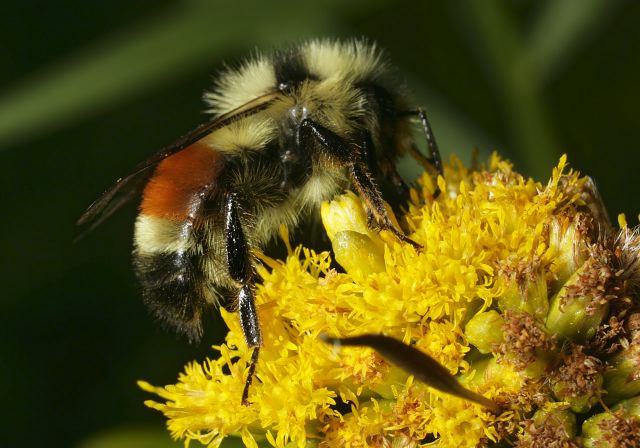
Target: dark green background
point(91, 88)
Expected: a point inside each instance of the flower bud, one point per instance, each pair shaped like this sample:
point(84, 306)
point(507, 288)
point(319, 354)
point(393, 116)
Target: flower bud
point(525, 288)
point(488, 371)
point(357, 253)
point(582, 303)
point(630, 407)
point(618, 428)
point(526, 345)
point(578, 381)
point(622, 379)
point(563, 418)
point(569, 239)
point(579, 403)
point(484, 330)
point(529, 297)
point(345, 212)
point(356, 248)
point(555, 426)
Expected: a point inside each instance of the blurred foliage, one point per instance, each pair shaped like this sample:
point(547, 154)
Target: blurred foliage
point(131, 437)
point(91, 88)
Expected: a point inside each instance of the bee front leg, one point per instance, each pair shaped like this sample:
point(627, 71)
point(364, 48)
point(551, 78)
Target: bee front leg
point(351, 156)
point(364, 183)
point(241, 271)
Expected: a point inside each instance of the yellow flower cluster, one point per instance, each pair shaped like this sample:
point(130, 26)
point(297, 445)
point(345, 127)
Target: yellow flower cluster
point(490, 239)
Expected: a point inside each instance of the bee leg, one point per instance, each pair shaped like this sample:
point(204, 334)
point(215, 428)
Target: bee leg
point(251, 329)
point(361, 177)
point(241, 271)
point(400, 186)
point(364, 183)
point(387, 167)
point(435, 160)
point(371, 219)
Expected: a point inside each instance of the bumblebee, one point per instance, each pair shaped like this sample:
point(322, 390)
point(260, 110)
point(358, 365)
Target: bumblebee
point(288, 130)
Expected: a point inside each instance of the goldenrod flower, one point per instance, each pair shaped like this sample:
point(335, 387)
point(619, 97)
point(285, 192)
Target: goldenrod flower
point(522, 291)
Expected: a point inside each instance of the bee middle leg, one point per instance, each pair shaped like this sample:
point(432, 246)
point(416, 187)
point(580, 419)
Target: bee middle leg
point(349, 155)
point(241, 271)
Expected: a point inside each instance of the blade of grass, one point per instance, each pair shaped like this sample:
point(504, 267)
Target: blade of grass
point(560, 29)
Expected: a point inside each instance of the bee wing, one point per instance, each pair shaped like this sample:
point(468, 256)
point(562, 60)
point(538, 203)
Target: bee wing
point(131, 185)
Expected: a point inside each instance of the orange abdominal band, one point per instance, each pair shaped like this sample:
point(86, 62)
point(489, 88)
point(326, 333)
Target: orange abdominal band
point(175, 186)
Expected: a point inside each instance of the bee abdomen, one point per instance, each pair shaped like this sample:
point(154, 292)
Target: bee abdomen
point(176, 190)
point(172, 290)
point(170, 235)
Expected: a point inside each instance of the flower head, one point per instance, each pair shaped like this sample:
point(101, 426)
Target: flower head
point(508, 270)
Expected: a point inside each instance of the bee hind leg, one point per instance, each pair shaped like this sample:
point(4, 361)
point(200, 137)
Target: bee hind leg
point(241, 271)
